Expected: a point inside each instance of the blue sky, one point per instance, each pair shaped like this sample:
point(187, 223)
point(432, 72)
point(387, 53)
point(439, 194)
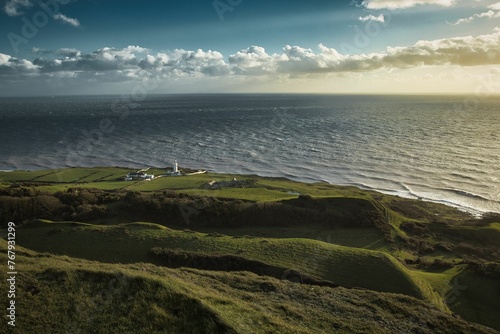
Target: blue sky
point(325, 46)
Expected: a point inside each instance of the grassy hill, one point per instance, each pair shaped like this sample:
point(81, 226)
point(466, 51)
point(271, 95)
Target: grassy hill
point(60, 294)
point(258, 229)
point(130, 243)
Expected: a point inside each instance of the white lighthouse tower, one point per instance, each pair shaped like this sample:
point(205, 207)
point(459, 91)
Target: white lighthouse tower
point(176, 168)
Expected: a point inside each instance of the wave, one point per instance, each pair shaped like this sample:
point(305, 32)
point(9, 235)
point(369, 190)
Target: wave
point(467, 194)
point(332, 139)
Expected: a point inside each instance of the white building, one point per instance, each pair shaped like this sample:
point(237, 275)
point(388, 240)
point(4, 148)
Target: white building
point(175, 170)
point(139, 176)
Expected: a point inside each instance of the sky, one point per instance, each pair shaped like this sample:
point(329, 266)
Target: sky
point(73, 47)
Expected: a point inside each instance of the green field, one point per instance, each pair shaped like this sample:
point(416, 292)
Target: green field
point(130, 243)
point(112, 179)
point(60, 294)
point(87, 224)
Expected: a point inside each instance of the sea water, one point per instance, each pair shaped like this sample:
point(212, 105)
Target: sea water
point(439, 148)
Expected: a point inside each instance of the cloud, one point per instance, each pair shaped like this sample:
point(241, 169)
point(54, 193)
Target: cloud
point(66, 52)
point(103, 60)
point(402, 4)
point(495, 6)
point(130, 63)
point(489, 15)
point(460, 51)
point(181, 63)
point(252, 61)
point(371, 17)
point(494, 12)
point(40, 51)
point(68, 20)
point(69, 52)
point(135, 63)
point(10, 66)
point(12, 7)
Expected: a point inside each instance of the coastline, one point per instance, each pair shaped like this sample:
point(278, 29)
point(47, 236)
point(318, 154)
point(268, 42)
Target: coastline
point(409, 147)
point(228, 213)
point(473, 211)
point(407, 193)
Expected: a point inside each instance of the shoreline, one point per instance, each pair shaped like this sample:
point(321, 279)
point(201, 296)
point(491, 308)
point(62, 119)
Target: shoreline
point(473, 211)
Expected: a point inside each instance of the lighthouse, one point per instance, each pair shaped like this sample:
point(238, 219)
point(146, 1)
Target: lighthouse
point(176, 168)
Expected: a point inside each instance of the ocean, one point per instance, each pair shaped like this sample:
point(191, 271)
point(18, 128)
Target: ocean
point(439, 148)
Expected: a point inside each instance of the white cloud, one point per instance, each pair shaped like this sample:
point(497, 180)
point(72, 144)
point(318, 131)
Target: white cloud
point(10, 66)
point(128, 54)
point(489, 15)
point(371, 17)
point(253, 60)
point(461, 51)
point(41, 51)
point(12, 7)
point(402, 4)
point(193, 63)
point(65, 19)
point(493, 12)
point(66, 52)
point(69, 52)
point(495, 6)
point(135, 63)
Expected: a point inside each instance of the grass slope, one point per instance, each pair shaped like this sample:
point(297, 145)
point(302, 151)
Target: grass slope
point(58, 294)
point(442, 247)
point(107, 178)
point(129, 243)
